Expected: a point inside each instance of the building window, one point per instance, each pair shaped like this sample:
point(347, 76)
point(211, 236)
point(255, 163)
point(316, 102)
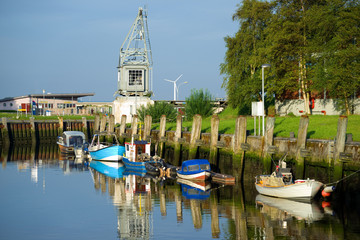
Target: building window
point(4, 104)
point(11, 104)
point(135, 77)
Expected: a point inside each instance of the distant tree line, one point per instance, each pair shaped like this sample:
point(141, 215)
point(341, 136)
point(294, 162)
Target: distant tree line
point(311, 45)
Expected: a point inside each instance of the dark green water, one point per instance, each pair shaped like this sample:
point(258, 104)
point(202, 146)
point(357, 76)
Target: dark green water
point(43, 197)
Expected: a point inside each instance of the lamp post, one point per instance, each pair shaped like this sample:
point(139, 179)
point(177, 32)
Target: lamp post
point(43, 105)
point(262, 96)
point(175, 88)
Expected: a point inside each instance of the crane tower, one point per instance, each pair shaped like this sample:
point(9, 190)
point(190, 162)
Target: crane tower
point(135, 60)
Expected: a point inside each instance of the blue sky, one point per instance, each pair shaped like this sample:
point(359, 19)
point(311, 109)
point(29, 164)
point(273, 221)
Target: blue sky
point(73, 46)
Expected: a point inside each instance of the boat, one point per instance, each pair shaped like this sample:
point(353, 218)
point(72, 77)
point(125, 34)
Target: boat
point(194, 189)
point(109, 169)
point(222, 178)
point(104, 151)
point(281, 184)
point(308, 211)
point(71, 142)
point(195, 169)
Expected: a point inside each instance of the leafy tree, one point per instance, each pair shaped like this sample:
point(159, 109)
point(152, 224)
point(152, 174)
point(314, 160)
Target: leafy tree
point(199, 102)
point(338, 65)
point(156, 110)
point(246, 53)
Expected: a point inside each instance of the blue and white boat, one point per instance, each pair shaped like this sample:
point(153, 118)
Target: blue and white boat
point(195, 169)
point(104, 151)
point(110, 169)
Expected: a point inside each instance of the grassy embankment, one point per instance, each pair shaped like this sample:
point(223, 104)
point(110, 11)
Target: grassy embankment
point(320, 127)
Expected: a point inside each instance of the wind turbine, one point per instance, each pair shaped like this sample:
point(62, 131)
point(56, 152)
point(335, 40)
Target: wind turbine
point(175, 87)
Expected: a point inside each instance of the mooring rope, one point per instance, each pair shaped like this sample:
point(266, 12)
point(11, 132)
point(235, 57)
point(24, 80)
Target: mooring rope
point(329, 184)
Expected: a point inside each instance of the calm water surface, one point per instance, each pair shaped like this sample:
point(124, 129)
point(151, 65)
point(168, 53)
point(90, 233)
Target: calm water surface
point(47, 198)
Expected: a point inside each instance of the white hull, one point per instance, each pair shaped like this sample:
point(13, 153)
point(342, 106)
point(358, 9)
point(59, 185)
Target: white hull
point(307, 189)
point(202, 176)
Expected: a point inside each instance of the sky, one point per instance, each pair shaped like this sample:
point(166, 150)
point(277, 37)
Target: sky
point(72, 46)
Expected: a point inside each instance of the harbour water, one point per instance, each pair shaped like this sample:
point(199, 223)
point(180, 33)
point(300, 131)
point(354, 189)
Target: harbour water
point(48, 198)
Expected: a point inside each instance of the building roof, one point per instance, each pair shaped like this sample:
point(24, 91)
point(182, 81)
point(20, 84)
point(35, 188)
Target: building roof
point(63, 96)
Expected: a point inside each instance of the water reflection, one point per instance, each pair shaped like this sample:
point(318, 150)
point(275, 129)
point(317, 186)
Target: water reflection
point(143, 203)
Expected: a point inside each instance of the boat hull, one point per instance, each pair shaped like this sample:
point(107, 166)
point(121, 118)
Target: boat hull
point(110, 169)
point(136, 166)
point(66, 149)
point(305, 189)
point(112, 153)
point(201, 176)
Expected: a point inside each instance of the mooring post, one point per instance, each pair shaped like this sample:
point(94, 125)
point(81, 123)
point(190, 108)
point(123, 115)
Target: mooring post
point(122, 128)
point(177, 147)
point(147, 127)
point(195, 135)
point(61, 126)
point(110, 129)
point(268, 143)
point(301, 146)
point(103, 123)
point(340, 146)
point(5, 132)
point(85, 128)
point(97, 123)
point(134, 126)
point(162, 133)
point(238, 152)
point(214, 139)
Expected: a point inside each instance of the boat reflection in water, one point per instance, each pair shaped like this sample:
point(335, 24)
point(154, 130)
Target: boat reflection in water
point(285, 209)
point(194, 190)
point(130, 193)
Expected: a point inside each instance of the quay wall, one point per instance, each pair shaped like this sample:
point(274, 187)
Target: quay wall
point(337, 155)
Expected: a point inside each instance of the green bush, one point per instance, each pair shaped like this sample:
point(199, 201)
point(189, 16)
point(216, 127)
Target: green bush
point(156, 110)
point(199, 102)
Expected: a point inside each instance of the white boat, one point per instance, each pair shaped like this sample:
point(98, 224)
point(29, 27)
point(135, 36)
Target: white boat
point(104, 151)
point(280, 184)
point(71, 142)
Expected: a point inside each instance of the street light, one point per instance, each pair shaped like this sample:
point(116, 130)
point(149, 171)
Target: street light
point(175, 88)
point(262, 95)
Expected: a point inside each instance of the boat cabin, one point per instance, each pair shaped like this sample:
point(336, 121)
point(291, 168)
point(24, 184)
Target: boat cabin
point(195, 166)
point(136, 148)
point(72, 138)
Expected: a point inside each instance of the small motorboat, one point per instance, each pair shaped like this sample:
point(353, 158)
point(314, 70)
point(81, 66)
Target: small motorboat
point(105, 151)
point(195, 169)
point(71, 142)
point(280, 184)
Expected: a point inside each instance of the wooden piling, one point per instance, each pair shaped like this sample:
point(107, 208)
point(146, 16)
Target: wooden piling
point(238, 152)
point(162, 139)
point(147, 128)
point(122, 128)
point(134, 126)
point(215, 226)
point(301, 146)
point(5, 132)
point(340, 146)
point(268, 143)
point(84, 128)
point(61, 126)
point(97, 123)
point(177, 144)
point(103, 123)
point(195, 135)
point(110, 129)
point(214, 139)
point(33, 131)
